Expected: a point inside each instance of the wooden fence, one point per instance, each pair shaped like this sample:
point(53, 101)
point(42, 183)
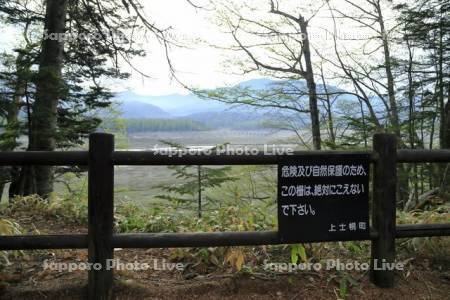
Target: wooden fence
point(101, 241)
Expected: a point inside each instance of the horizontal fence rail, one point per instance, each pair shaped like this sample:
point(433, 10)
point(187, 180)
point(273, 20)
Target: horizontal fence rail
point(47, 241)
point(50, 158)
point(101, 241)
point(423, 156)
point(74, 158)
point(260, 158)
point(199, 239)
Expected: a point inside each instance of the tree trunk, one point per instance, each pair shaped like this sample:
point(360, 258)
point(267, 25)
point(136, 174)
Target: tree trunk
point(12, 130)
point(445, 144)
point(329, 109)
point(49, 88)
point(24, 182)
point(444, 111)
point(199, 182)
point(9, 137)
point(445, 141)
point(403, 182)
point(312, 93)
point(388, 68)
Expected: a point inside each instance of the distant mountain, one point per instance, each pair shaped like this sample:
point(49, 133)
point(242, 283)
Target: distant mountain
point(210, 111)
point(135, 109)
point(260, 83)
point(176, 105)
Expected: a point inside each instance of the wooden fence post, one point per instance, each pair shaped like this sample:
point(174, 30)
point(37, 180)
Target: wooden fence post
point(383, 209)
point(100, 215)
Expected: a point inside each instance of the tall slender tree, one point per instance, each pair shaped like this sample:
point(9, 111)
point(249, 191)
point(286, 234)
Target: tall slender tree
point(83, 42)
point(277, 45)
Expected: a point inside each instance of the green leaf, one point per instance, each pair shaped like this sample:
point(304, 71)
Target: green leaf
point(302, 253)
point(294, 254)
point(298, 250)
point(343, 287)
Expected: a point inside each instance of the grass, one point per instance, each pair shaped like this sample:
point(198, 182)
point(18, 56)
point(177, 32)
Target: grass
point(238, 213)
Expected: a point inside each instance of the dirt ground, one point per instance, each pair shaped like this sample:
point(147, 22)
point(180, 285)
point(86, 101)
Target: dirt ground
point(26, 278)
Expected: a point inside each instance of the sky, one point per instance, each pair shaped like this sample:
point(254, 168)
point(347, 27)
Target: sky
point(197, 65)
point(201, 65)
